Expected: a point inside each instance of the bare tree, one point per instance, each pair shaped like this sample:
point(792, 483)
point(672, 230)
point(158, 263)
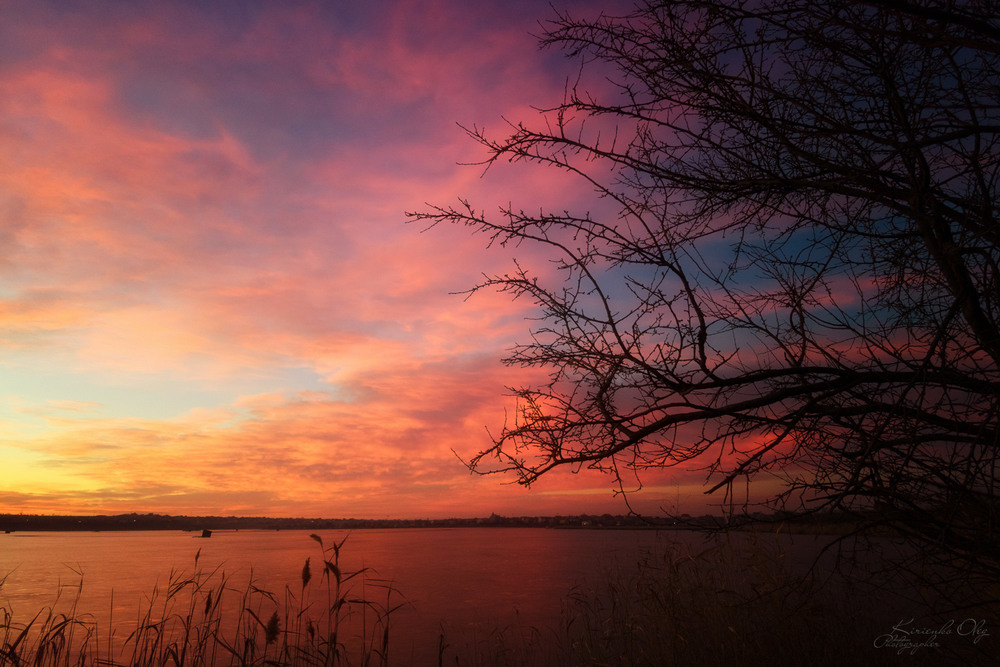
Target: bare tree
point(791, 267)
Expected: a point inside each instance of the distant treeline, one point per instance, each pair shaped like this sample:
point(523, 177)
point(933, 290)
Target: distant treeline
point(14, 522)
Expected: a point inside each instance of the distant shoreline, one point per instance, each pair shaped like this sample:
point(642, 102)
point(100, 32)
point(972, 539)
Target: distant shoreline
point(128, 522)
point(12, 523)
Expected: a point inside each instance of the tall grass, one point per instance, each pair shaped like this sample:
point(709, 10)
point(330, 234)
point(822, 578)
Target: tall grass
point(730, 602)
point(724, 604)
point(203, 618)
point(50, 637)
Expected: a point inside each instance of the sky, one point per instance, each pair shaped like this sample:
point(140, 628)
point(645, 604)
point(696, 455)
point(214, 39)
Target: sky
point(210, 299)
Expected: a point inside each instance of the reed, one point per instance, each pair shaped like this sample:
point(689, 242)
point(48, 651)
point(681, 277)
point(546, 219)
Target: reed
point(203, 618)
point(729, 602)
point(722, 604)
point(50, 637)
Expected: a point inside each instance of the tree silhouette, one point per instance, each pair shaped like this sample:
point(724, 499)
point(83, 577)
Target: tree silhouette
point(790, 269)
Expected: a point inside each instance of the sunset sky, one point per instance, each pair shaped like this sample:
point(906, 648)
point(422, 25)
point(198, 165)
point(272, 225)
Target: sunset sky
point(210, 301)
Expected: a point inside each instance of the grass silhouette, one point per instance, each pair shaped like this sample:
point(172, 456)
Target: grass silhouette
point(203, 618)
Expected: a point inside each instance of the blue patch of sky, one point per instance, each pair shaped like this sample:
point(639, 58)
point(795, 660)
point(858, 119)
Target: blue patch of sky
point(158, 398)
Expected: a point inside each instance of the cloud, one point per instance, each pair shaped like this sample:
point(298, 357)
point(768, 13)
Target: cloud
point(202, 210)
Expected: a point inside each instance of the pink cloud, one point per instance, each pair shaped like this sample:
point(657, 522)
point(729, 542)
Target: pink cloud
point(197, 200)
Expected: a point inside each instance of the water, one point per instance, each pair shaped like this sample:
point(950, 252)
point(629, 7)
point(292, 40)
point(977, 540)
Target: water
point(465, 582)
point(468, 583)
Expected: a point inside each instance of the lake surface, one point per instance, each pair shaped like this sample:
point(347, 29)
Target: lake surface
point(465, 582)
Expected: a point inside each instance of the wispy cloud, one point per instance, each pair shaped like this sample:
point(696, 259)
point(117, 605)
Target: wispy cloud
point(208, 299)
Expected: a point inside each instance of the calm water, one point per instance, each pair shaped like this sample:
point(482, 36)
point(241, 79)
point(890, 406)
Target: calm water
point(465, 581)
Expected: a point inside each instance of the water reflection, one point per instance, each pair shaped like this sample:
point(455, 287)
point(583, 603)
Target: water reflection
point(466, 581)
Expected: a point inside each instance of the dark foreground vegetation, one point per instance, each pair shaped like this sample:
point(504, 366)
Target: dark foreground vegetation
point(734, 601)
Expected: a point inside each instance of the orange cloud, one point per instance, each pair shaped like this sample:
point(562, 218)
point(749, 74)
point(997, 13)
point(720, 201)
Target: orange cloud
point(210, 302)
